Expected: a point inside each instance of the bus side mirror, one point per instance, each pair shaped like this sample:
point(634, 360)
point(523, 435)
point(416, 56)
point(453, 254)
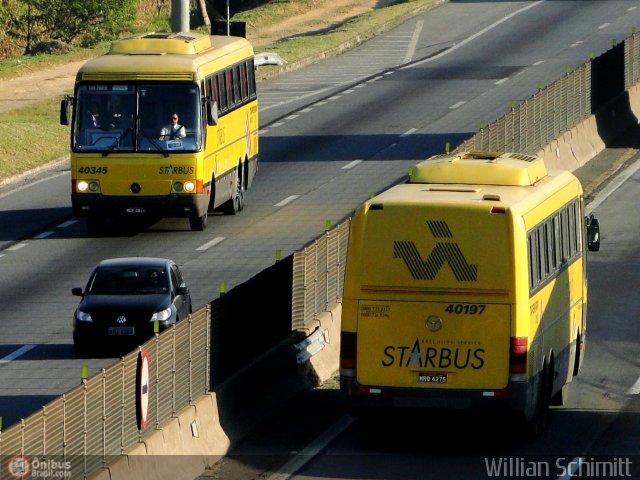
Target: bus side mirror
point(65, 106)
point(212, 112)
point(593, 233)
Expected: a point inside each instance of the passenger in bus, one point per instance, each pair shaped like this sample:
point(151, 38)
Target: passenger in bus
point(95, 120)
point(174, 130)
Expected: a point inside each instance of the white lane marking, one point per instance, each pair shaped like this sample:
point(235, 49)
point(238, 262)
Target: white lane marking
point(66, 224)
point(348, 91)
point(635, 388)
point(291, 117)
point(539, 62)
point(17, 246)
point(474, 36)
point(603, 26)
point(277, 124)
point(408, 132)
point(263, 131)
point(411, 50)
point(613, 186)
point(456, 105)
point(43, 235)
point(501, 81)
point(289, 199)
point(313, 449)
point(306, 110)
point(6, 194)
point(631, 9)
point(210, 243)
point(335, 97)
point(351, 164)
point(19, 352)
point(319, 104)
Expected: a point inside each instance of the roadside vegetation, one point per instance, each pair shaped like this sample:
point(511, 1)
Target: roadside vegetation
point(36, 138)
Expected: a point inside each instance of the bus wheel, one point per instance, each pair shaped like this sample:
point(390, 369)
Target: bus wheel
point(198, 224)
point(532, 427)
point(235, 204)
point(95, 225)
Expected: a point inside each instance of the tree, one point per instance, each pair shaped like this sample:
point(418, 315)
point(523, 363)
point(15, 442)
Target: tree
point(69, 21)
point(86, 20)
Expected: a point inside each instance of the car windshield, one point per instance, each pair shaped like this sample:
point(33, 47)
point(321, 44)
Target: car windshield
point(128, 281)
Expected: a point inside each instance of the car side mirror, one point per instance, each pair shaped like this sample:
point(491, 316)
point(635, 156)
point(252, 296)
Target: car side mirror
point(593, 233)
point(77, 291)
point(182, 290)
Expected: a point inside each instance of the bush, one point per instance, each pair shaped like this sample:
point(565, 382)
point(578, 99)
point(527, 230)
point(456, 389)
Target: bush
point(50, 47)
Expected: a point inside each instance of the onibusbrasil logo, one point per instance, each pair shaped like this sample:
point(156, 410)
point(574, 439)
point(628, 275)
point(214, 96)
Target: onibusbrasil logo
point(20, 466)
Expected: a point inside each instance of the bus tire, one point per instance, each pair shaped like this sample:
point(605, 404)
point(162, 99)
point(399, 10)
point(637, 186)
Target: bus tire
point(532, 427)
point(561, 397)
point(199, 223)
point(580, 346)
point(236, 203)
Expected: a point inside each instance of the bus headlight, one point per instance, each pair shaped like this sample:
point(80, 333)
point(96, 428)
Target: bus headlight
point(177, 186)
point(85, 186)
point(189, 187)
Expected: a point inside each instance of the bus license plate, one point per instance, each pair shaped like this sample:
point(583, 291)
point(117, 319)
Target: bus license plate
point(136, 210)
point(121, 330)
point(432, 377)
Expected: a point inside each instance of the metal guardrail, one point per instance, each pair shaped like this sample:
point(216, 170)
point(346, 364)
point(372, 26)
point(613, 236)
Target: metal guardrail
point(318, 274)
point(87, 427)
point(531, 125)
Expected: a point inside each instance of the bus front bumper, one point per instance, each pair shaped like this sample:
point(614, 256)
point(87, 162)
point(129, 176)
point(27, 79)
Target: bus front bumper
point(173, 205)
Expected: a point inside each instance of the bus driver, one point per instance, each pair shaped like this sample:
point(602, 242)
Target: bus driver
point(174, 130)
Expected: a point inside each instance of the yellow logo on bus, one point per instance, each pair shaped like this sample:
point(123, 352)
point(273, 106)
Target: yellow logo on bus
point(443, 252)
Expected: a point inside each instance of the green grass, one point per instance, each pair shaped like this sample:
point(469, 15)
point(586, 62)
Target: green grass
point(33, 136)
point(36, 137)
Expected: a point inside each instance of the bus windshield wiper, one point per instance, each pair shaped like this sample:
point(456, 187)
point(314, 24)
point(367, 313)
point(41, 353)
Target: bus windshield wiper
point(117, 141)
point(154, 143)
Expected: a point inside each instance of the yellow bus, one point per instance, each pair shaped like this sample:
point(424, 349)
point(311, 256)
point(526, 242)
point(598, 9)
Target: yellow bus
point(163, 125)
point(466, 287)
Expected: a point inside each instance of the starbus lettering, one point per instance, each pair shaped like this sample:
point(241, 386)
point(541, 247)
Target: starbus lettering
point(171, 170)
point(431, 357)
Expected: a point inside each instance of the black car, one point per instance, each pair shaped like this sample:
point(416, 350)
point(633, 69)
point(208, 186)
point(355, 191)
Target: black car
point(123, 299)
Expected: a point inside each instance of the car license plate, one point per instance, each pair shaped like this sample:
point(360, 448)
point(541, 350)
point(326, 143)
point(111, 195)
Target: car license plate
point(135, 210)
point(432, 377)
point(121, 330)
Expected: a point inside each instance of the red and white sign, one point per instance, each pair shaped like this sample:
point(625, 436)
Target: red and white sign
point(142, 390)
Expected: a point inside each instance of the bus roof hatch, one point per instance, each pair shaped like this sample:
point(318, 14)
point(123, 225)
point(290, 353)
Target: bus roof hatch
point(480, 168)
point(160, 43)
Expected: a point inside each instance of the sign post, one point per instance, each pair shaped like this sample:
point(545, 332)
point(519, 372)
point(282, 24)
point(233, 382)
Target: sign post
point(142, 390)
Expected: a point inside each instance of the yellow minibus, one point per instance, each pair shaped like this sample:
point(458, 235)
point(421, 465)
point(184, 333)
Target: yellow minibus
point(466, 287)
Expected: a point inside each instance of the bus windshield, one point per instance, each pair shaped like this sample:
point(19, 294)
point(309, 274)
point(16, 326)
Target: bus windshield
point(137, 118)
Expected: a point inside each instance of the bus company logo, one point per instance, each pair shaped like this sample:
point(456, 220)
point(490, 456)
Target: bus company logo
point(19, 466)
point(443, 252)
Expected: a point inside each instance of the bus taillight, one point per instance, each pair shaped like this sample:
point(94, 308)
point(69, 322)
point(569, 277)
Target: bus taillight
point(348, 351)
point(518, 354)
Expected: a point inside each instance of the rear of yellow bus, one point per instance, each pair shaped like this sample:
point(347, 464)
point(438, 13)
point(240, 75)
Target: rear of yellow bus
point(429, 304)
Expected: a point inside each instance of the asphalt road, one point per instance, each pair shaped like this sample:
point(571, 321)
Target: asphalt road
point(331, 134)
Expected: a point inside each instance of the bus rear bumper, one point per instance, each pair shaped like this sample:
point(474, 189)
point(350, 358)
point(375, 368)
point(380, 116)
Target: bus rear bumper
point(86, 205)
point(514, 397)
